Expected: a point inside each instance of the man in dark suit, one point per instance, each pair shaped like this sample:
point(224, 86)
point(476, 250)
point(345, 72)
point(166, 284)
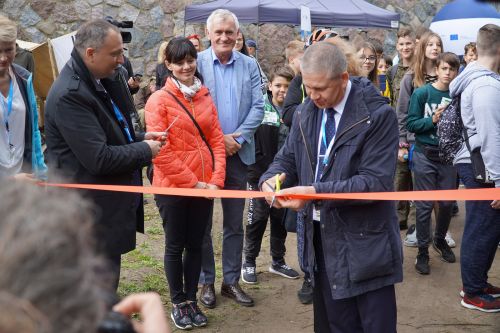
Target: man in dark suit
point(344, 138)
point(234, 83)
point(90, 139)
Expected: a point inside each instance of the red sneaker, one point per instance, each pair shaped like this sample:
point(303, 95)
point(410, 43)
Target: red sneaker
point(482, 302)
point(490, 290)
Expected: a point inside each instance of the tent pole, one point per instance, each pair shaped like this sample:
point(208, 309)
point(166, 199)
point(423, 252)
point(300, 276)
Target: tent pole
point(258, 35)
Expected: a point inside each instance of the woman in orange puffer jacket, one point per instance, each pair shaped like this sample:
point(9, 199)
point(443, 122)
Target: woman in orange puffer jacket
point(186, 162)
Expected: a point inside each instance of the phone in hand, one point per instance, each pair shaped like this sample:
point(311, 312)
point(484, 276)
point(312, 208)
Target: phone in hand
point(137, 77)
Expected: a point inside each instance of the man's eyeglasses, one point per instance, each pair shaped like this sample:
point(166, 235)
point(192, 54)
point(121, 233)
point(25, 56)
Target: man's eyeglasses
point(369, 59)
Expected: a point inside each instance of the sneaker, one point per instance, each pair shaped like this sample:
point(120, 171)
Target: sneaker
point(180, 316)
point(305, 293)
point(482, 302)
point(444, 250)
point(284, 270)
point(411, 236)
point(422, 261)
point(490, 290)
point(248, 274)
point(197, 317)
point(449, 240)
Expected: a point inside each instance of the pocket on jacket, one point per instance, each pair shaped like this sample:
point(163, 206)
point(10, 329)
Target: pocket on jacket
point(369, 255)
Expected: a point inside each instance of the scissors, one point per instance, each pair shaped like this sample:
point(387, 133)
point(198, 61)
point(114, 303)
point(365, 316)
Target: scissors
point(277, 188)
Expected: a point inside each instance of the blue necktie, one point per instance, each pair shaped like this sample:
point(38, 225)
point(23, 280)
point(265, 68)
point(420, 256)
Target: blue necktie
point(329, 134)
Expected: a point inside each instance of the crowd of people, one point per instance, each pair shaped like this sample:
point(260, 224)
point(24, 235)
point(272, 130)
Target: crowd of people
point(338, 117)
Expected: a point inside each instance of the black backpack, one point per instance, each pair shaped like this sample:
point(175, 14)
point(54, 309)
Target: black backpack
point(450, 131)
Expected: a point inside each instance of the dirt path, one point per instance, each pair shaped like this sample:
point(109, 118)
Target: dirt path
point(425, 303)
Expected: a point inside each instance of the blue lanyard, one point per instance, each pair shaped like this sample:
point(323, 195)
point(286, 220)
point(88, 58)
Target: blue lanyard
point(323, 139)
point(122, 121)
point(7, 111)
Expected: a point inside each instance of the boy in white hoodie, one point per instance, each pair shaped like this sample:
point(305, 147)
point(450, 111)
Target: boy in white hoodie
point(479, 86)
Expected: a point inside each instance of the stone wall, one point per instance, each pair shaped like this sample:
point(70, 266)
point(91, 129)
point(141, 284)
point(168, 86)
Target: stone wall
point(157, 20)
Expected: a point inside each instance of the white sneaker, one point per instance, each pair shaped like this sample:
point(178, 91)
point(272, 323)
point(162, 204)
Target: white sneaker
point(411, 237)
point(449, 240)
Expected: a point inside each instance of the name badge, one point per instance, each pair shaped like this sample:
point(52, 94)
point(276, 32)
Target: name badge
point(271, 118)
point(316, 215)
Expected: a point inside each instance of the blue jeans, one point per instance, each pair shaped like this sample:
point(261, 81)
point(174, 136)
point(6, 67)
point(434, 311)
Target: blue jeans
point(480, 239)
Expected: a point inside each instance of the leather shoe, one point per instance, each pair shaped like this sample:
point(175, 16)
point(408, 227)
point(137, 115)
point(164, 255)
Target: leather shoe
point(235, 292)
point(207, 296)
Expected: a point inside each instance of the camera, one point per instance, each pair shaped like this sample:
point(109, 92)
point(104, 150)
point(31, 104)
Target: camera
point(126, 35)
point(115, 322)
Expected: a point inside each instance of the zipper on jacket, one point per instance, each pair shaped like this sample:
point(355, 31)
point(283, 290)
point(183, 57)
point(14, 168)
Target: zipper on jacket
point(307, 147)
point(198, 144)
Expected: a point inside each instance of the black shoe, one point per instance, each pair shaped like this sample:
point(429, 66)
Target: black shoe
point(444, 250)
point(197, 317)
point(422, 262)
point(180, 316)
point(305, 293)
point(207, 296)
point(235, 292)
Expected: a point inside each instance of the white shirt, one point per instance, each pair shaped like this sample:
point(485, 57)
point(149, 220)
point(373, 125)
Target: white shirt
point(11, 162)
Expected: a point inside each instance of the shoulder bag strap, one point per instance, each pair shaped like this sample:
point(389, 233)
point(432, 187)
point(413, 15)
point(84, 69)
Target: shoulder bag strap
point(197, 126)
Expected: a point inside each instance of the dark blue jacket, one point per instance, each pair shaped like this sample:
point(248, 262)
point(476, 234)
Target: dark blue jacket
point(361, 241)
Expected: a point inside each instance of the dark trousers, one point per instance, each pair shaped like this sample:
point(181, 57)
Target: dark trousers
point(372, 312)
point(481, 236)
point(115, 262)
point(430, 175)
point(184, 221)
point(403, 182)
point(258, 214)
point(232, 225)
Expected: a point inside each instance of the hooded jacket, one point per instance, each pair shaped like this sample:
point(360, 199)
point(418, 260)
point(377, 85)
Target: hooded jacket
point(480, 89)
point(33, 159)
point(361, 241)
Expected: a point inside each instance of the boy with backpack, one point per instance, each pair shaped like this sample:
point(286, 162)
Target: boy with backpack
point(426, 105)
point(269, 138)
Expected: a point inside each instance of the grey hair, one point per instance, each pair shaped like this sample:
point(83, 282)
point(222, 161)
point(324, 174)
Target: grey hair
point(47, 256)
point(223, 14)
point(324, 58)
point(8, 30)
point(92, 35)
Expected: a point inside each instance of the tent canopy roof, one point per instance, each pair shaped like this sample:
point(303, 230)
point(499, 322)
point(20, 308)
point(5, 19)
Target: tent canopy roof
point(335, 13)
point(461, 9)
